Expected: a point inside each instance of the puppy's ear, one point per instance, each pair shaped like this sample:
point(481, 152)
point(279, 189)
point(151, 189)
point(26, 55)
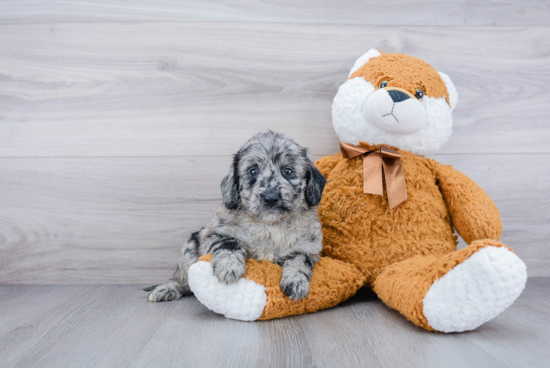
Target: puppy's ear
point(315, 185)
point(230, 185)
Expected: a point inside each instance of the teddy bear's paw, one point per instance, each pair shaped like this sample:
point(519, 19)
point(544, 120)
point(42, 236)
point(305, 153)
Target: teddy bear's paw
point(475, 291)
point(244, 300)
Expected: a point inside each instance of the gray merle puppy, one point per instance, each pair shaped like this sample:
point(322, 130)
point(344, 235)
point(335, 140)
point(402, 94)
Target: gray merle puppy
point(269, 212)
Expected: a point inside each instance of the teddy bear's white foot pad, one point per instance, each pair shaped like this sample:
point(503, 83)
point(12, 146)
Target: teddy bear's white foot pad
point(475, 291)
point(244, 300)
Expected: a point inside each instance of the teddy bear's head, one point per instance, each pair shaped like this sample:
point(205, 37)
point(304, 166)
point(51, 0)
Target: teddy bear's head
point(397, 100)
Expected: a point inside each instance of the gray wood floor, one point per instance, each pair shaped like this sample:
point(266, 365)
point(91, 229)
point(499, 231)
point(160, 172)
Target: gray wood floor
point(114, 326)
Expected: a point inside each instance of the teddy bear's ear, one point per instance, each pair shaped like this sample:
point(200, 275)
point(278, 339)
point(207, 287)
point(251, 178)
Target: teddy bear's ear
point(451, 89)
point(372, 53)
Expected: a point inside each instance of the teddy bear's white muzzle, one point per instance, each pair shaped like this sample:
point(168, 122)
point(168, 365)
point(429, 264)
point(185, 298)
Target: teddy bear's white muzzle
point(394, 113)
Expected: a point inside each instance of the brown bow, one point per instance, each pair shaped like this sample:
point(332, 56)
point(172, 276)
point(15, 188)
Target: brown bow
point(374, 163)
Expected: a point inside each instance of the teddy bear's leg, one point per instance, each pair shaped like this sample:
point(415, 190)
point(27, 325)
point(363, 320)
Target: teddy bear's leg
point(455, 292)
point(258, 294)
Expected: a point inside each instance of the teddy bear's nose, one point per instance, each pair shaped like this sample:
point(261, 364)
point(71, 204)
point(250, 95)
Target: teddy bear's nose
point(398, 96)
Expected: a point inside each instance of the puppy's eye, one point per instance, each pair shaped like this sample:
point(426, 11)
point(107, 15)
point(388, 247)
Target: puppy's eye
point(419, 94)
point(383, 84)
point(253, 171)
point(288, 171)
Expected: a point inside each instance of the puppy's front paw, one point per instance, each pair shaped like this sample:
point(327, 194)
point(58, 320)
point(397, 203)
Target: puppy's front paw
point(228, 267)
point(163, 293)
point(295, 288)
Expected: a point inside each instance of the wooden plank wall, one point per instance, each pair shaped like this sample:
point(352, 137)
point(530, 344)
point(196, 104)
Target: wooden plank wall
point(118, 119)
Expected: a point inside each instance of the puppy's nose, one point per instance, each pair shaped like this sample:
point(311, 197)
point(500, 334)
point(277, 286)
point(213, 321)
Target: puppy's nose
point(271, 199)
point(398, 96)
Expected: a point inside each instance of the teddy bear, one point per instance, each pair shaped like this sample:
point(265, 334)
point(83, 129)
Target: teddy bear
point(389, 214)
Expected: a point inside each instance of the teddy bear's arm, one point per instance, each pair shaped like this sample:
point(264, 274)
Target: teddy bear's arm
point(473, 213)
point(327, 163)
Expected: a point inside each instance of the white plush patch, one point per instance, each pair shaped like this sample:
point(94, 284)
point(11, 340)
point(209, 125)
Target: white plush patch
point(451, 89)
point(372, 53)
point(352, 127)
point(475, 291)
point(244, 300)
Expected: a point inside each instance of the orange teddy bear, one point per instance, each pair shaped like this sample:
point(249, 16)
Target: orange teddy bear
point(389, 214)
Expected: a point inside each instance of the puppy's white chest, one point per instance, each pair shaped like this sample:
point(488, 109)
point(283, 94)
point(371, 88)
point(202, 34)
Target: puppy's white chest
point(270, 241)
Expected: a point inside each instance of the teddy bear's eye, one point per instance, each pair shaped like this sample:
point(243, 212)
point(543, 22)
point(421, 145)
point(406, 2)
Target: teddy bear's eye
point(419, 94)
point(383, 84)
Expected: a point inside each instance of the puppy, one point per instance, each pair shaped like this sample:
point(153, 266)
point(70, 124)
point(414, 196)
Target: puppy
point(269, 212)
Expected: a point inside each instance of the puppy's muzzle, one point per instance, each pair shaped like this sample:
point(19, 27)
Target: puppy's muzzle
point(271, 198)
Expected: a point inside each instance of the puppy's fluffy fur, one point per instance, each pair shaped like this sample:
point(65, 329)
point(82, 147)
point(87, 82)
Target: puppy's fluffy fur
point(269, 212)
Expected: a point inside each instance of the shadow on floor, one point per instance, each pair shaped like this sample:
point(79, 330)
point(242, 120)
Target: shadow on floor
point(365, 294)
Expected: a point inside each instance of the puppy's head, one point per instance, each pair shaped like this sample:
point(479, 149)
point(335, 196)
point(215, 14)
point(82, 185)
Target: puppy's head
point(395, 99)
point(272, 177)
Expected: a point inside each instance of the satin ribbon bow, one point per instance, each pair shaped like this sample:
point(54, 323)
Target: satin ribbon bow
point(374, 163)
